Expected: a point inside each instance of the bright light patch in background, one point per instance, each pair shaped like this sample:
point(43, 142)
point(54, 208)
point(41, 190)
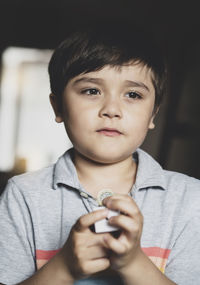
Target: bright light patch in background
point(29, 136)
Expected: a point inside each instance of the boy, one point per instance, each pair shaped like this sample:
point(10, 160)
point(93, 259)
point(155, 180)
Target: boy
point(107, 85)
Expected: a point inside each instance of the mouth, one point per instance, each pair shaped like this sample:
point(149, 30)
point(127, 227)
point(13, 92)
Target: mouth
point(109, 132)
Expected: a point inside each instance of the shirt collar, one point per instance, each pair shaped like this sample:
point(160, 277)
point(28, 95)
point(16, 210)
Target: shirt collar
point(149, 172)
point(65, 171)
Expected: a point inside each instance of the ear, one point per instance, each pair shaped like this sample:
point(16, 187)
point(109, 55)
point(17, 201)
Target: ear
point(151, 123)
point(54, 105)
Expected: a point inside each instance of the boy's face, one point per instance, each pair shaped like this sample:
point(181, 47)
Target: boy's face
point(107, 113)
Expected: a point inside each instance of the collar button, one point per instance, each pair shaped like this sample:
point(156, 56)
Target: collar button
point(84, 195)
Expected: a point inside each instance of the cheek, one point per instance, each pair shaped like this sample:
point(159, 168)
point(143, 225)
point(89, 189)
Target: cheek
point(139, 119)
point(79, 118)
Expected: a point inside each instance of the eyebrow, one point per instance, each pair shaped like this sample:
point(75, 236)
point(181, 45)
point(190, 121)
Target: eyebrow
point(88, 79)
point(137, 84)
point(99, 81)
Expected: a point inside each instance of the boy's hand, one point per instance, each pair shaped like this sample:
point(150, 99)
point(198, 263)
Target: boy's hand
point(85, 252)
point(126, 248)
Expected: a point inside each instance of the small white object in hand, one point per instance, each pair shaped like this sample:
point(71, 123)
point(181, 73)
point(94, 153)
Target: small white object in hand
point(103, 226)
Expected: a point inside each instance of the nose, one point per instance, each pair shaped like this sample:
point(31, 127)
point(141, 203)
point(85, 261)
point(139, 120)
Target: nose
point(110, 108)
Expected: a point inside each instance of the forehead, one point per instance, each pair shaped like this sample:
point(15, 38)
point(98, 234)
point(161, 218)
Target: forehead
point(118, 75)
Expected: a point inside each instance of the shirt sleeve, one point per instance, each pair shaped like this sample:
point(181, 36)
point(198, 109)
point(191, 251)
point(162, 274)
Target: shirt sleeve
point(184, 261)
point(17, 252)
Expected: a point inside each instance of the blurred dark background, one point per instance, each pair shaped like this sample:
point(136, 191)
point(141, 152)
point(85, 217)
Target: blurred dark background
point(176, 25)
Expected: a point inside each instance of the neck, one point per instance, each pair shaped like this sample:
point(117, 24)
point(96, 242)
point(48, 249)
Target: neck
point(94, 176)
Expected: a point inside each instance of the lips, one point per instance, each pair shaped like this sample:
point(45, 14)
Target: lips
point(109, 132)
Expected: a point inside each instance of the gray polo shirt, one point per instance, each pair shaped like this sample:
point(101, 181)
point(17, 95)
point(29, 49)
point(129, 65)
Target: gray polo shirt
point(37, 211)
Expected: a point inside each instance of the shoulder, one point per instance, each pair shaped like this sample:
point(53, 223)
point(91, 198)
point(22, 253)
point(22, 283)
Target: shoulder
point(31, 182)
point(183, 192)
point(39, 183)
point(171, 180)
point(182, 182)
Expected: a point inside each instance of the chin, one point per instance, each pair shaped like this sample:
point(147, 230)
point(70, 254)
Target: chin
point(105, 155)
point(108, 158)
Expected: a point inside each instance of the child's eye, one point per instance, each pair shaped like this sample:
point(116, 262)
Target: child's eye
point(90, 91)
point(133, 95)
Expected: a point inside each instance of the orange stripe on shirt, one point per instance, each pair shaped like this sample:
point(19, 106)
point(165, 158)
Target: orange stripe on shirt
point(149, 251)
point(46, 254)
point(156, 251)
point(158, 256)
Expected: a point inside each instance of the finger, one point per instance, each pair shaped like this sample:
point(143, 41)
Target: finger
point(115, 245)
point(96, 252)
point(85, 221)
point(96, 265)
point(123, 204)
point(127, 224)
point(124, 197)
point(95, 239)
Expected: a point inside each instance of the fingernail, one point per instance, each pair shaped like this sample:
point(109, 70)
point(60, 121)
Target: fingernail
point(106, 211)
point(105, 201)
point(110, 220)
point(105, 238)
